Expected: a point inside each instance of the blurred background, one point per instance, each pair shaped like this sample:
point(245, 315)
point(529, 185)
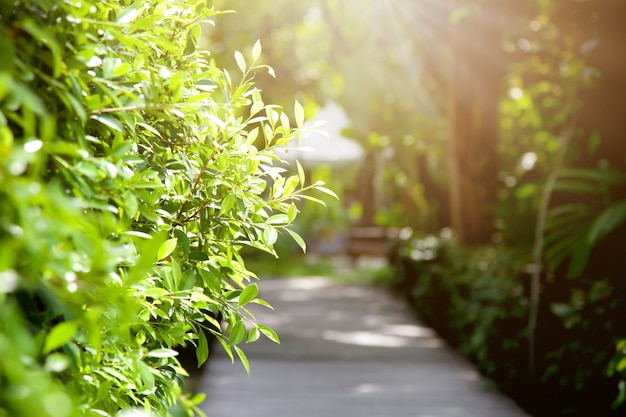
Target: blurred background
point(479, 146)
point(458, 110)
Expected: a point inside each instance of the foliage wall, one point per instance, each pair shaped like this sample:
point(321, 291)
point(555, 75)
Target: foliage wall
point(477, 299)
point(129, 183)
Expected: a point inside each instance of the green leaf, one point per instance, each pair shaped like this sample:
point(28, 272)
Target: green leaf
point(253, 335)
point(237, 333)
point(241, 62)
point(227, 203)
point(301, 175)
point(270, 236)
point(162, 353)
point(298, 239)
point(313, 199)
point(290, 185)
point(166, 248)
point(318, 186)
point(278, 219)
point(248, 294)
point(243, 358)
point(137, 234)
point(610, 219)
point(202, 351)
point(183, 241)
point(256, 50)
point(206, 84)
point(252, 135)
point(146, 375)
point(292, 212)
point(60, 335)
point(269, 333)
point(45, 37)
point(299, 114)
point(110, 122)
point(127, 15)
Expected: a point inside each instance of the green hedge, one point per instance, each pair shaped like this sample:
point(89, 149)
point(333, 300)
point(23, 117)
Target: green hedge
point(477, 299)
point(132, 173)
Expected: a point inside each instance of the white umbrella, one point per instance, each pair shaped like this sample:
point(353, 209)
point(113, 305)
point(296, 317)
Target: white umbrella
point(323, 144)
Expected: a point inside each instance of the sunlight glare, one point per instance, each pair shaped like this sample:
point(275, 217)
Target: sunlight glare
point(528, 161)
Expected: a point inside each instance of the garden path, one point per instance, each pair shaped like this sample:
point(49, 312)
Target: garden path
point(346, 351)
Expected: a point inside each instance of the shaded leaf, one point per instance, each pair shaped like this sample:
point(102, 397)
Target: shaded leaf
point(202, 351)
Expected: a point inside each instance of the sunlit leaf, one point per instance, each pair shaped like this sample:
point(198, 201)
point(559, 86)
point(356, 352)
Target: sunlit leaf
point(253, 335)
point(299, 114)
point(256, 50)
point(248, 294)
point(298, 239)
point(241, 61)
point(269, 333)
point(166, 248)
point(237, 333)
point(162, 353)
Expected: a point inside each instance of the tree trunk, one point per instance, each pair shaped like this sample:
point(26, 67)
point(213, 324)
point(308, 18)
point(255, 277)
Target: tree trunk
point(478, 66)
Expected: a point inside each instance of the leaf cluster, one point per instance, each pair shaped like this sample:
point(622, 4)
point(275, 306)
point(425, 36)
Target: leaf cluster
point(130, 180)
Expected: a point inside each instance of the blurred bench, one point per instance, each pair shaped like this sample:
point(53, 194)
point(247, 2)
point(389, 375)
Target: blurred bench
point(369, 240)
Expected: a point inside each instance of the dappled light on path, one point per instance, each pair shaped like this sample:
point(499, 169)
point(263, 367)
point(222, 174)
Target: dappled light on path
point(346, 351)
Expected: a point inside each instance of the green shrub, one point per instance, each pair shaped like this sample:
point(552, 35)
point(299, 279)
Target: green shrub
point(130, 179)
point(477, 298)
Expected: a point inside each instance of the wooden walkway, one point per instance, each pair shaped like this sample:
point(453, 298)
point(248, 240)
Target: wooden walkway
point(346, 351)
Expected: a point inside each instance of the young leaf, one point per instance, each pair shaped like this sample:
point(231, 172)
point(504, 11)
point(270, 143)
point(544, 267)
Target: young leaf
point(166, 248)
point(243, 358)
point(269, 333)
point(270, 236)
point(301, 174)
point(298, 239)
point(299, 113)
point(241, 62)
point(292, 212)
point(327, 191)
point(256, 50)
point(248, 294)
point(227, 203)
point(253, 335)
point(290, 185)
point(278, 219)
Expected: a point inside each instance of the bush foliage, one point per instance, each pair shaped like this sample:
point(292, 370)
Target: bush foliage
point(133, 170)
point(478, 299)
